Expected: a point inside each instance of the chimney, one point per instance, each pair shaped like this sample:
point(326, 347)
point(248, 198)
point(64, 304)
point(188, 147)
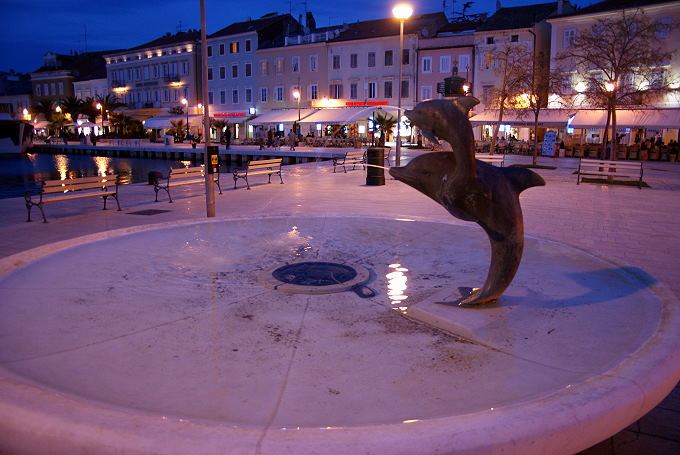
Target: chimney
point(498, 5)
point(310, 22)
point(560, 7)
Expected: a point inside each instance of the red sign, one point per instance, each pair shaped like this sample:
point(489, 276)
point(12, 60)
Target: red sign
point(230, 114)
point(366, 103)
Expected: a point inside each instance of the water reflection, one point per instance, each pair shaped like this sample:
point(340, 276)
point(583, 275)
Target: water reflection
point(397, 286)
point(102, 163)
point(61, 163)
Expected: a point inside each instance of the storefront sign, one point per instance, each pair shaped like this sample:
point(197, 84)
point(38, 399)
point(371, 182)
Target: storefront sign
point(366, 103)
point(230, 114)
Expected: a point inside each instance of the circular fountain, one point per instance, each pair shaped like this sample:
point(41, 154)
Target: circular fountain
point(174, 339)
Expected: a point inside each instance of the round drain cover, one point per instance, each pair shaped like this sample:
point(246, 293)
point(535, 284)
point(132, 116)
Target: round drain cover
point(311, 277)
point(314, 273)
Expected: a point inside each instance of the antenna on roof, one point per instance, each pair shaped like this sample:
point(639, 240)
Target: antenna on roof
point(85, 39)
point(179, 27)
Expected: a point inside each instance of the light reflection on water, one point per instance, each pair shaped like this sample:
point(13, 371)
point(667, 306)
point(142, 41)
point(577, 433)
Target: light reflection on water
point(20, 173)
point(397, 286)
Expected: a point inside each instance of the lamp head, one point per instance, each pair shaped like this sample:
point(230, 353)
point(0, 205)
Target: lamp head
point(184, 101)
point(402, 11)
point(98, 106)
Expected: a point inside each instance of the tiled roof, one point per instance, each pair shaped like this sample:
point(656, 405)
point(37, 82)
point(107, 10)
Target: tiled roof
point(613, 5)
point(389, 27)
point(250, 26)
point(519, 16)
point(168, 39)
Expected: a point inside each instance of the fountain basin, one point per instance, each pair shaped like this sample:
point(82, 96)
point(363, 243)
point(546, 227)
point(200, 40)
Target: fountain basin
point(161, 339)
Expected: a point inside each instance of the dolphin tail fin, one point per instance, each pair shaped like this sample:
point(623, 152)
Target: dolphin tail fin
point(465, 103)
point(522, 178)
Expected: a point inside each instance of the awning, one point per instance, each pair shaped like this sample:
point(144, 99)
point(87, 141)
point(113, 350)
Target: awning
point(164, 122)
point(281, 116)
point(341, 115)
point(230, 116)
point(554, 118)
point(628, 118)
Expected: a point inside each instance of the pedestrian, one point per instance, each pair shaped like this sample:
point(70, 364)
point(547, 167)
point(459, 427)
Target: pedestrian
point(227, 138)
point(292, 138)
point(260, 137)
point(270, 138)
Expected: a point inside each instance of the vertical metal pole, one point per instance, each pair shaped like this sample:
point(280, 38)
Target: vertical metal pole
point(209, 184)
point(401, 63)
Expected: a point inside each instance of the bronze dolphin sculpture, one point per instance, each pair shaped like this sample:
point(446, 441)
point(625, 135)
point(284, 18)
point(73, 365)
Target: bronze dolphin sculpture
point(471, 189)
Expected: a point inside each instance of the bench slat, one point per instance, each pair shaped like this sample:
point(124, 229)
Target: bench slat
point(79, 180)
point(76, 195)
point(271, 161)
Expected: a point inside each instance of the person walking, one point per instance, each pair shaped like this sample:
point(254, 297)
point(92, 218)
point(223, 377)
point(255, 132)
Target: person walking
point(227, 138)
point(292, 138)
point(270, 138)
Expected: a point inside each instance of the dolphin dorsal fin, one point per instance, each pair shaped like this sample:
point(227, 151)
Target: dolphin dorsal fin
point(465, 103)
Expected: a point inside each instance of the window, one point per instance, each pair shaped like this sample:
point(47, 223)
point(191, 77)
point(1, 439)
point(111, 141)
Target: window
point(371, 59)
point(166, 95)
point(354, 60)
point(295, 63)
point(234, 71)
point(464, 63)
point(146, 72)
point(249, 70)
point(489, 40)
point(372, 90)
point(335, 91)
point(210, 97)
point(223, 97)
point(427, 64)
point(37, 90)
point(387, 92)
point(279, 65)
point(223, 72)
point(489, 60)
point(568, 37)
point(389, 58)
point(249, 95)
point(221, 49)
point(263, 94)
point(314, 92)
point(487, 90)
point(405, 57)
point(445, 64)
point(46, 90)
point(173, 68)
point(233, 47)
point(663, 27)
point(313, 63)
point(658, 78)
point(426, 92)
point(248, 49)
point(514, 38)
point(404, 89)
point(353, 90)
point(138, 74)
point(566, 83)
point(279, 93)
point(209, 51)
point(210, 74)
point(234, 96)
point(264, 67)
point(336, 62)
point(155, 71)
point(129, 72)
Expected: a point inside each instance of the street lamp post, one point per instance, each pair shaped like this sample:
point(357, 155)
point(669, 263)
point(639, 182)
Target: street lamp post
point(185, 102)
point(101, 108)
point(296, 95)
point(401, 11)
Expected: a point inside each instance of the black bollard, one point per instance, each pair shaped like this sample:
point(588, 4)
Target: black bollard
point(375, 176)
point(154, 176)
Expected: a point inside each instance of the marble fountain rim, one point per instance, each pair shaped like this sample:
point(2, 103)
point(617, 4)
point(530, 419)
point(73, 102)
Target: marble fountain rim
point(603, 403)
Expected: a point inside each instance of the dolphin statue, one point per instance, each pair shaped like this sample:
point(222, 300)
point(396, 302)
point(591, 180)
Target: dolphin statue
point(470, 189)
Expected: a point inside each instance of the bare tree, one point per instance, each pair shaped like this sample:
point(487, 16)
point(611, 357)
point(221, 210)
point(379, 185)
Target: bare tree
point(511, 62)
point(619, 61)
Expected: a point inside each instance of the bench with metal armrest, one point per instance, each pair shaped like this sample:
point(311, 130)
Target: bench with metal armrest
point(184, 176)
point(259, 167)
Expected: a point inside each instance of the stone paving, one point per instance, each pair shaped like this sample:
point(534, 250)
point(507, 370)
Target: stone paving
point(638, 228)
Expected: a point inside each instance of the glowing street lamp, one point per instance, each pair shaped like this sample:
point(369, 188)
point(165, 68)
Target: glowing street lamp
point(610, 86)
point(296, 95)
point(401, 11)
point(186, 108)
point(101, 108)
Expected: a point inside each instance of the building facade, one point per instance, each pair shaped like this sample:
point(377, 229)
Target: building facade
point(155, 76)
point(91, 88)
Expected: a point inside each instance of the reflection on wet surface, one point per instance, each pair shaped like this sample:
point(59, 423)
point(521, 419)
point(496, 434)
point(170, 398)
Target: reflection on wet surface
point(396, 286)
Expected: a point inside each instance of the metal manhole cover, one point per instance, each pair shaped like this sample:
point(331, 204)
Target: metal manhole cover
point(307, 277)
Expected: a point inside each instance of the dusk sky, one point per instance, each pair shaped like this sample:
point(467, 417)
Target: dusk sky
point(33, 28)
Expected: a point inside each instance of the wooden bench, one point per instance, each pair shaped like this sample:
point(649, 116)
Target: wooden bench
point(70, 189)
point(184, 176)
point(495, 159)
point(352, 157)
point(259, 167)
point(606, 168)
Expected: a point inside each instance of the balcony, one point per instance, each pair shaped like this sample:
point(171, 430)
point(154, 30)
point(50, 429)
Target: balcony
point(170, 79)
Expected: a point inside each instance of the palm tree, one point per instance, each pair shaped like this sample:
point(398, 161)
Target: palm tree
point(219, 125)
point(109, 104)
point(120, 123)
point(58, 122)
point(44, 107)
point(178, 129)
point(89, 109)
point(384, 122)
point(71, 106)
